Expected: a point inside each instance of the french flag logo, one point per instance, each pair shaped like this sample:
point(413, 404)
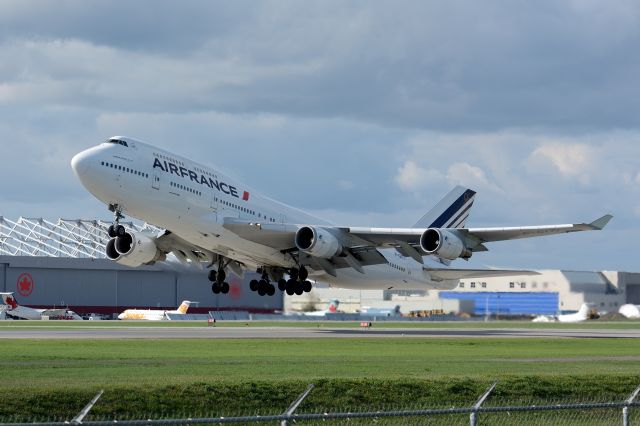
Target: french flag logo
point(245, 196)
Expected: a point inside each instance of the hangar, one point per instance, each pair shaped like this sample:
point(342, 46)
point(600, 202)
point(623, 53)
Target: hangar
point(62, 263)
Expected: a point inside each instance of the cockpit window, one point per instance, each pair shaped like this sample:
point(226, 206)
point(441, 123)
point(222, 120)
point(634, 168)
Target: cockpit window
point(118, 141)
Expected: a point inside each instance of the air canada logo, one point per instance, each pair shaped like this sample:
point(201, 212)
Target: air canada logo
point(11, 302)
point(25, 284)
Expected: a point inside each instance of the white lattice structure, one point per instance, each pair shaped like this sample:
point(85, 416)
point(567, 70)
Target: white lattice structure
point(63, 238)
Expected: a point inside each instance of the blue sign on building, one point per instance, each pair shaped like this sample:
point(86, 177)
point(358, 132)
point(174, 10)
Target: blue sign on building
point(508, 303)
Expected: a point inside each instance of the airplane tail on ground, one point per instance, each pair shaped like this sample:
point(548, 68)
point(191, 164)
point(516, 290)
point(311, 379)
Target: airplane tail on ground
point(333, 306)
point(9, 300)
point(184, 306)
point(450, 212)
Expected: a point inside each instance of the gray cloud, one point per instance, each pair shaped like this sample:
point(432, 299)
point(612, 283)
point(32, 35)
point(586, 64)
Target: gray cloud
point(366, 112)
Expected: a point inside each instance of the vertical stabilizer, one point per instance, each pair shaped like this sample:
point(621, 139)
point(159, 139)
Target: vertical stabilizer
point(184, 306)
point(451, 212)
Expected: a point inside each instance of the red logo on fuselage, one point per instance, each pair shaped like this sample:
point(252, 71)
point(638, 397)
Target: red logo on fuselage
point(245, 196)
point(25, 284)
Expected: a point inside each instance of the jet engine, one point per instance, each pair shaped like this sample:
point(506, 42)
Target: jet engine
point(133, 249)
point(317, 242)
point(444, 244)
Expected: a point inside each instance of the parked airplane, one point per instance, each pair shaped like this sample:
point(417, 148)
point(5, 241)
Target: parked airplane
point(209, 217)
point(15, 311)
point(332, 309)
point(381, 312)
point(586, 312)
point(153, 314)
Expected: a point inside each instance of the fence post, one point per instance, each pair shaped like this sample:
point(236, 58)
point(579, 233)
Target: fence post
point(473, 417)
point(625, 409)
point(82, 414)
point(295, 404)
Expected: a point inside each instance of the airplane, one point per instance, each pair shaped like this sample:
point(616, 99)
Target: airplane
point(153, 314)
point(15, 311)
point(630, 311)
point(381, 312)
point(208, 218)
point(585, 312)
point(332, 309)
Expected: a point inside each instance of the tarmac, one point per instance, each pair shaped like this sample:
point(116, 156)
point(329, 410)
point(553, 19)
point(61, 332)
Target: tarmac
point(298, 333)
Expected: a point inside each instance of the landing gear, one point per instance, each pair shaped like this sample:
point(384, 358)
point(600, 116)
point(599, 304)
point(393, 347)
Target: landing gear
point(116, 230)
point(297, 282)
point(219, 285)
point(263, 286)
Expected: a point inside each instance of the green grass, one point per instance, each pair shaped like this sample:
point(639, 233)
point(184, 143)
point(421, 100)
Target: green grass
point(95, 363)
point(53, 379)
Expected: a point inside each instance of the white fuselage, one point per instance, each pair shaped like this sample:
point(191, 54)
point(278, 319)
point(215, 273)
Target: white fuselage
point(192, 200)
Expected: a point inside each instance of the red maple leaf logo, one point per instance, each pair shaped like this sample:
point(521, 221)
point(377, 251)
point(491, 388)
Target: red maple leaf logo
point(11, 302)
point(25, 284)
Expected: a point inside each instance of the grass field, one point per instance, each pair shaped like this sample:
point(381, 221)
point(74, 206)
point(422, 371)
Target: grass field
point(148, 378)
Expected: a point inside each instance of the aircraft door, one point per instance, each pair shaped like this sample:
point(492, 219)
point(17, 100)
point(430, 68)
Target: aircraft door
point(155, 183)
point(213, 204)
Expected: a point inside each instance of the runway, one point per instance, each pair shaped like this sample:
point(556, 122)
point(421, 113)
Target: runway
point(299, 333)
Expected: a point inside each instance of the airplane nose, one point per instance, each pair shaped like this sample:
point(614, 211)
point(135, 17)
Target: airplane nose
point(80, 163)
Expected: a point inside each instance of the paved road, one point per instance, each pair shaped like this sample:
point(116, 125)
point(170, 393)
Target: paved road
point(293, 333)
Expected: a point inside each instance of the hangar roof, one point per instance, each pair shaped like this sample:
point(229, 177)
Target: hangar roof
point(77, 238)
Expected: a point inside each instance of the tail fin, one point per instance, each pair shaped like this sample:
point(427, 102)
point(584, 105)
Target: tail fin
point(184, 306)
point(9, 300)
point(451, 212)
point(333, 306)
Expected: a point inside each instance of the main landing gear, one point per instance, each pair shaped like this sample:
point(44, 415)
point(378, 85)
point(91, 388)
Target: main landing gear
point(263, 286)
point(297, 282)
point(217, 278)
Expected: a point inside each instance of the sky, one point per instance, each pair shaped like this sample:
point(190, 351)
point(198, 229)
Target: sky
point(364, 113)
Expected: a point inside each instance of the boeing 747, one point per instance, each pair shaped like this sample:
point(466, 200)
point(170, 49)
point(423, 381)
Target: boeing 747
point(210, 219)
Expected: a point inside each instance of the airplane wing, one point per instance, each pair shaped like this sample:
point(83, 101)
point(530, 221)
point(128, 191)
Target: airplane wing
point(359, 246)
point(458, 274)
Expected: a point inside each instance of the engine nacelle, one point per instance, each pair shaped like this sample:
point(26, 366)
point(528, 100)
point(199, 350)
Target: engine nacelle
point(444, 244)
point(317, 242)
point(133, 250)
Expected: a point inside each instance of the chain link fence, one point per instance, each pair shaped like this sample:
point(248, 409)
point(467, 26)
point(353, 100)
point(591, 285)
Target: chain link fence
point(497, 412)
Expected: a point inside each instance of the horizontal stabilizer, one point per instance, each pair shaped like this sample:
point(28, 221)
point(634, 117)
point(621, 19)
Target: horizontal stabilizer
point(458, 274)
point(599, 224)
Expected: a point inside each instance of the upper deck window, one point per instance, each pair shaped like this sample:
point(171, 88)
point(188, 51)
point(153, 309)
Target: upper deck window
point(119, 142)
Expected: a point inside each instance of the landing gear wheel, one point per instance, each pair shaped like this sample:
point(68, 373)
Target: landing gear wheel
point(253, 285)
point(291, 285)
point(112, 231)
point(120, 231)
point(290, 291)
point(282, 284)
point(271, 290)
point(215, 288)
point(303, 274)
point(294, 273)
point(212, 275)
point(306, 286)
point(224, 288)
point(222, 275)
point(261, 291)
point(299, 289)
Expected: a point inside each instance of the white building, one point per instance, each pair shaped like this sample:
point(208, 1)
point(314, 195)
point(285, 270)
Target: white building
point(551, 292)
